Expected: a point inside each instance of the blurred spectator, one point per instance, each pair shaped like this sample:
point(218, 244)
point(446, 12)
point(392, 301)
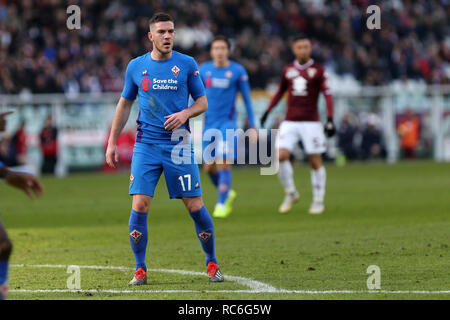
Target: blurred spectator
point(19, 140)
point(49, 146)
point(39, 54)
point(372, 140)
point(346, 137)
point(6, 155)
point(13, 149)
point(409, 132)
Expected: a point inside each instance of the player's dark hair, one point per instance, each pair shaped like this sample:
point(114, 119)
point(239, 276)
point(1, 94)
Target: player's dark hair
point(300, 36)
point(221, 38)
point(159, 17)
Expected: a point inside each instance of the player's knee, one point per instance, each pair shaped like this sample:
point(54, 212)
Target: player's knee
point(316, 166)
point(283, 155)
point(194, 204)
point(224, 166)
point(208, 168)
point(5, 249)
point(315, 161)
point(141, 204)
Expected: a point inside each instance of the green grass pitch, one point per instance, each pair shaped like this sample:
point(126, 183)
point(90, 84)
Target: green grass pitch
point(394, 216)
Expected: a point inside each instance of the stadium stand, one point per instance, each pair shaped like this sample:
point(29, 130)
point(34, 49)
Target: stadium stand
point(38, 55)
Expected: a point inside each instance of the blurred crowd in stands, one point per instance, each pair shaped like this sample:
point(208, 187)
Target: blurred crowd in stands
point(360, 137)
point(361, 142)
point(39, 54)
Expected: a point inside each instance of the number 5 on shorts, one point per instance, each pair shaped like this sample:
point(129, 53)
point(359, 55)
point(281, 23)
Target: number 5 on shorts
point(188, 177)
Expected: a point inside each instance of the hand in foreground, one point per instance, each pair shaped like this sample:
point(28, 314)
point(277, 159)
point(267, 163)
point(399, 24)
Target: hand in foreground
point(29, 184)
point(175, 120)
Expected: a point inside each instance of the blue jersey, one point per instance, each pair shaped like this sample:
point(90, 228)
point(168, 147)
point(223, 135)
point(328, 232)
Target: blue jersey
point(162, 87)
point(222, 86)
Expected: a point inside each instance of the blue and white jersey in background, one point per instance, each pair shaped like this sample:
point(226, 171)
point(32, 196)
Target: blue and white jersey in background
point(222, 86)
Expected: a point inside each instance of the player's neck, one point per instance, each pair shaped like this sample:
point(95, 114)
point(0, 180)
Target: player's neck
point(158, 55)
point(222, 64)
point(303, 64)
point(303, 61)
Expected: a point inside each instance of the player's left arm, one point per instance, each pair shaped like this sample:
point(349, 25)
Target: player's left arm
point(244, 88)
point(200, 105)
point(330, 128)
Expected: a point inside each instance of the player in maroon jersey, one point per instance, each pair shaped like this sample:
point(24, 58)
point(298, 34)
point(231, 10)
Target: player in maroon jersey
point(304, 79)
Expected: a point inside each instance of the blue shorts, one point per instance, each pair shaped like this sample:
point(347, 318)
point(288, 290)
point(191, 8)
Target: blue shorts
point(219, 147)
point(150, 160)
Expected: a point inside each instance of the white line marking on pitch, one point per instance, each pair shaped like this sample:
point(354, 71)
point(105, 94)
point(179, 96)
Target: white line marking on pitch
point(231, 291)
point(254, 285)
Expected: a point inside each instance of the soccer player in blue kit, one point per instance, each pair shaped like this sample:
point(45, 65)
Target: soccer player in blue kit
point(223, 79)
point(162, 79)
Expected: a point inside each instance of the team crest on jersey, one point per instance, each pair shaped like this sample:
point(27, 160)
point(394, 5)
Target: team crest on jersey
point(175, 71)
point(145, 82)
point(311, 72)
point(228, 74)
point(292, 73)
point(136, 235)
point(205, 236)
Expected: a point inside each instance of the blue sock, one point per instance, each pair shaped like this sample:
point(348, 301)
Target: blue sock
point(224, 179)
point(3, 271)
point(214, 178)
point(204, 228)
point(138, 237)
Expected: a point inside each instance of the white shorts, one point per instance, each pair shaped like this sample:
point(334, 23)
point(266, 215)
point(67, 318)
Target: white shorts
point(310, 133)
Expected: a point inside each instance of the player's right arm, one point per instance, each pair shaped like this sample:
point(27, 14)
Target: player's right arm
point(121, 115)
point(282, 87)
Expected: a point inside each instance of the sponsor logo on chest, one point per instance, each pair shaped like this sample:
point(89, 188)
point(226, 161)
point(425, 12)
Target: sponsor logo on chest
point(220, 83)
point(160, 83)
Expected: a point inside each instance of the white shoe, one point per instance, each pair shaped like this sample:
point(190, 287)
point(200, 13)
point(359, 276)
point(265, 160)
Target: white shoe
point(289, 201)
point(316, 207)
